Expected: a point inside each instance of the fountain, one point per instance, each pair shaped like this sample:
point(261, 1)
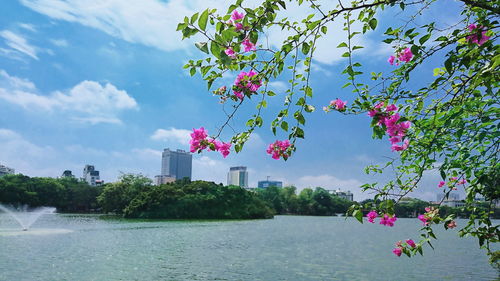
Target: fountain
point(26, 218)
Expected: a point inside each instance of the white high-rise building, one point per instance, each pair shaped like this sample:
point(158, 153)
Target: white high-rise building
point(91, 176)
point(4, 170)
point(238, 176)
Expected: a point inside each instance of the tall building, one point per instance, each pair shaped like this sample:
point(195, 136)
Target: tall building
point(268, 183)
point(347, 195)
point(176, 164)
point(91, 175)
point(238, 176)
point(4, 170)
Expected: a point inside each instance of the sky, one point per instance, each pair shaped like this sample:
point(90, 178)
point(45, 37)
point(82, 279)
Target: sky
point(102, 83)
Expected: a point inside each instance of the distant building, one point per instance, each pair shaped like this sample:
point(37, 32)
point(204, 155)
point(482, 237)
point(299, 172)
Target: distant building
point(91, 176)
point(163, 179)
point(176, 164)
point(67, 174)
point(451, 196)
point(347, 195)
point(4, 170)
point(453, 203)
point(268, 183)
point(238, 176)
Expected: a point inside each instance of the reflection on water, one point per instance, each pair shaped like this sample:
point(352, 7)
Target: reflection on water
point(92, 247)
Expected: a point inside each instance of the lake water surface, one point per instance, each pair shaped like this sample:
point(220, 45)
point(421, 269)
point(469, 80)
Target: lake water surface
point(91, 247)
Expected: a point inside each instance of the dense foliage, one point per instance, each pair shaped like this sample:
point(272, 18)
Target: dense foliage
point(183, 199)
point(317, 202)
point(66, 194)
point(446, 123)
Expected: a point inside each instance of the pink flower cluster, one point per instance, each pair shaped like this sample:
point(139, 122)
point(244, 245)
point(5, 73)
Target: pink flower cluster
point(430, 213)
point(236, 19)
point(372, 215)
point(389, 118)
point(337, 104)
point(405, 56)
point(200, 142)
point(279, 149)
point(478, 35)
point(247, 46)
point(400, 246)
point(452, 182)
point(386, 219)
point(246, 83)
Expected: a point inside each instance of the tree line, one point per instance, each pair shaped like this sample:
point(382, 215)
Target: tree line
point(135, 196)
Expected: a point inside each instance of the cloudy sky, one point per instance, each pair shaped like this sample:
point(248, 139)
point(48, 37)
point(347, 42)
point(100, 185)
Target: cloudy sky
point(103, 84)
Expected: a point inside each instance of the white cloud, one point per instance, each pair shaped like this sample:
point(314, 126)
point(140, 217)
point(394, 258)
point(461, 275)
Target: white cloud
point(181, 136)
point(89, 101)
point(24, 156)
point(278, 86)
point(208, 169)
point(153, 23)
point(148, 22)
point(27, 26)
point(59, 42)
point(19, 43)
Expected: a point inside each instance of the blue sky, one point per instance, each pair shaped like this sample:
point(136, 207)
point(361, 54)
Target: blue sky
point(103, 84)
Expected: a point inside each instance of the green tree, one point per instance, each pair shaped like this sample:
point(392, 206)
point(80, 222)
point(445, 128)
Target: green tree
point(448, 123)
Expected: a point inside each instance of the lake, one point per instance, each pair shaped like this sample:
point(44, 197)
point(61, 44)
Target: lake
point(93, 247)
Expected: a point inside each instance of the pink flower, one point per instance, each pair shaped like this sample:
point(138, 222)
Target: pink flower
point(441, 184)
point(395, 139)
point(198, 136)
point(239, 95)
point(411, 243)
point(238, 26)
point(397, 251)
point(388, 220)
point(249, 46)
point(462, 181)
point(452, 224)
point(230, 53)
point(423, 219)
point(237, 16)
point(396, 147)
point(372, 113)
point(405, 55)
point(453, 179)
point(391, 60)
point(338, 104)
point(199, 142)
point(245, 82)
point(224, 149)
point(476, 31)
point(371, 216)
point(278, 149)
point(391, 107)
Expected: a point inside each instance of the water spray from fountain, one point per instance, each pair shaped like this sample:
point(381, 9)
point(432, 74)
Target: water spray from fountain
point(24, 217)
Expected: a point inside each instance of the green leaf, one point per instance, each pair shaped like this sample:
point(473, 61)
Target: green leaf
point(202, 21)
point(343, 44)
point(373, 23)
point(424, 38)
point(324, 29)
point(305, 48)
point(358, 215)
point(284, 126)
point(203, 46)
